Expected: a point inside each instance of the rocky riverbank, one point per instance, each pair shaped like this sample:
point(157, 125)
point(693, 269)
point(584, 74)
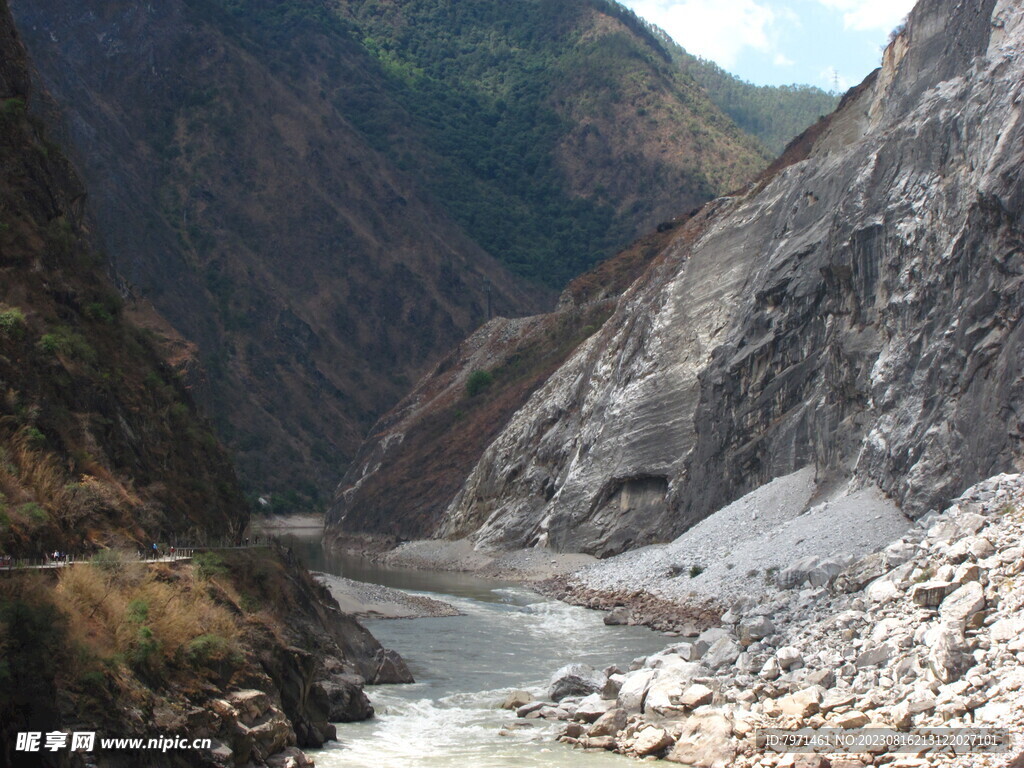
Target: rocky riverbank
point(375, 601)
point(532, 566)
point(928, 631)
point(639, 607)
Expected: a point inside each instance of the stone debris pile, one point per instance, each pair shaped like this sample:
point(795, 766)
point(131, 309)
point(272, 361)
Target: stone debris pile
point(927, 632)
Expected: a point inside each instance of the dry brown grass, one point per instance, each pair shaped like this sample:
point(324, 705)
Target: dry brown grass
point(126, 611)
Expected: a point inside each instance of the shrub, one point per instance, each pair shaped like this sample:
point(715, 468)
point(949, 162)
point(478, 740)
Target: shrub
point(209, 564)
point(209, 649)
point(35, 437)
point(63, 341)
point(110, 560)
point(696, 570)
point(12, 323)
point(145, 649)
point(34, 512)
point(14, 107)
point(97, 310)
point(478, 381)
point(138, 611)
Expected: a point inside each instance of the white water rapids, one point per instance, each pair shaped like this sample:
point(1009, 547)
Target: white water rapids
point(508, 638)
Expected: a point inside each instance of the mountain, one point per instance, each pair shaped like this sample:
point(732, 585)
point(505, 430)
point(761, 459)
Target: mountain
point(533, 110)
point(310, 202)
point(100, 442)
point(102, 453)
point(775, 114)
point(857, 309)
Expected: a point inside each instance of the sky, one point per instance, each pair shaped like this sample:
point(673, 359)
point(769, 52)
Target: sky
point(778, 42)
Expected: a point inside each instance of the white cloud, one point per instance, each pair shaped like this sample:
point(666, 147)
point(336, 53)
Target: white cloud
point(781, 60)
point(714, 29)
point(867, 15)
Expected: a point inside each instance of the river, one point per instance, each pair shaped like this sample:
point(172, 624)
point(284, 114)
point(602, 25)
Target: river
point(508, 637)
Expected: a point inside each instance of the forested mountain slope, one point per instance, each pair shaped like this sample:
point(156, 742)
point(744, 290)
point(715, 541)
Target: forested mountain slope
point(775, 114)
point(323, 198)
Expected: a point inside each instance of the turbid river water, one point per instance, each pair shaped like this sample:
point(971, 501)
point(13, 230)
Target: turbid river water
point(508, 637)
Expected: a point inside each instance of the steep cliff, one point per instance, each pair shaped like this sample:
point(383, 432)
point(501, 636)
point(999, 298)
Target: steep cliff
point(417, 456)
point(857, 309)
point(100, 444)
point(321, 209)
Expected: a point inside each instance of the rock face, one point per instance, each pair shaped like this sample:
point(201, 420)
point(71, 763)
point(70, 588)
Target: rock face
point(857, 310)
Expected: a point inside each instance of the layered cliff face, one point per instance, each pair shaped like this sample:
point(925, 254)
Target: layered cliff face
point(858, 309)
point(418, 455)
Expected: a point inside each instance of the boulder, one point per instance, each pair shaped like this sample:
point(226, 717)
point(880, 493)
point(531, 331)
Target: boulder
point(705, 741)
point(576, 680)
point(826, 678)
point(980, 547)
point(882, 591)
point(861, 573)
point(249, 704)
point(651, 741)
point(771, 669)
point(961, 605)
point(723, 652)
point(874, 656)
point(696, 695)
point(789, 657)
point(796, 575)
point(853, 719)
point(836, 700)
point(290, 757)
point(713, 634)
point(930, 594)
point(592, 708)
point(1007, 629)
point(634, 690)
point(609, 724)
point(346, 701)
point(802, 704)
point(691, 651)
point(617, 616)
point(389, 668)
point(598, 742)
point(948, 658)
point(668, 682)
point(516, 699)
point(529, 709)
point(754, 629)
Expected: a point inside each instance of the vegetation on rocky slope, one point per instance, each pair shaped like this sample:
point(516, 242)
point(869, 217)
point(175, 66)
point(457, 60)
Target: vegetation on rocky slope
point(534, 110)
point(99, 443)
point(134, 649)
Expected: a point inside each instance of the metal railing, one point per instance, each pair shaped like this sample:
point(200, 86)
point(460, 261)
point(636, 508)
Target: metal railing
point(165, 554)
